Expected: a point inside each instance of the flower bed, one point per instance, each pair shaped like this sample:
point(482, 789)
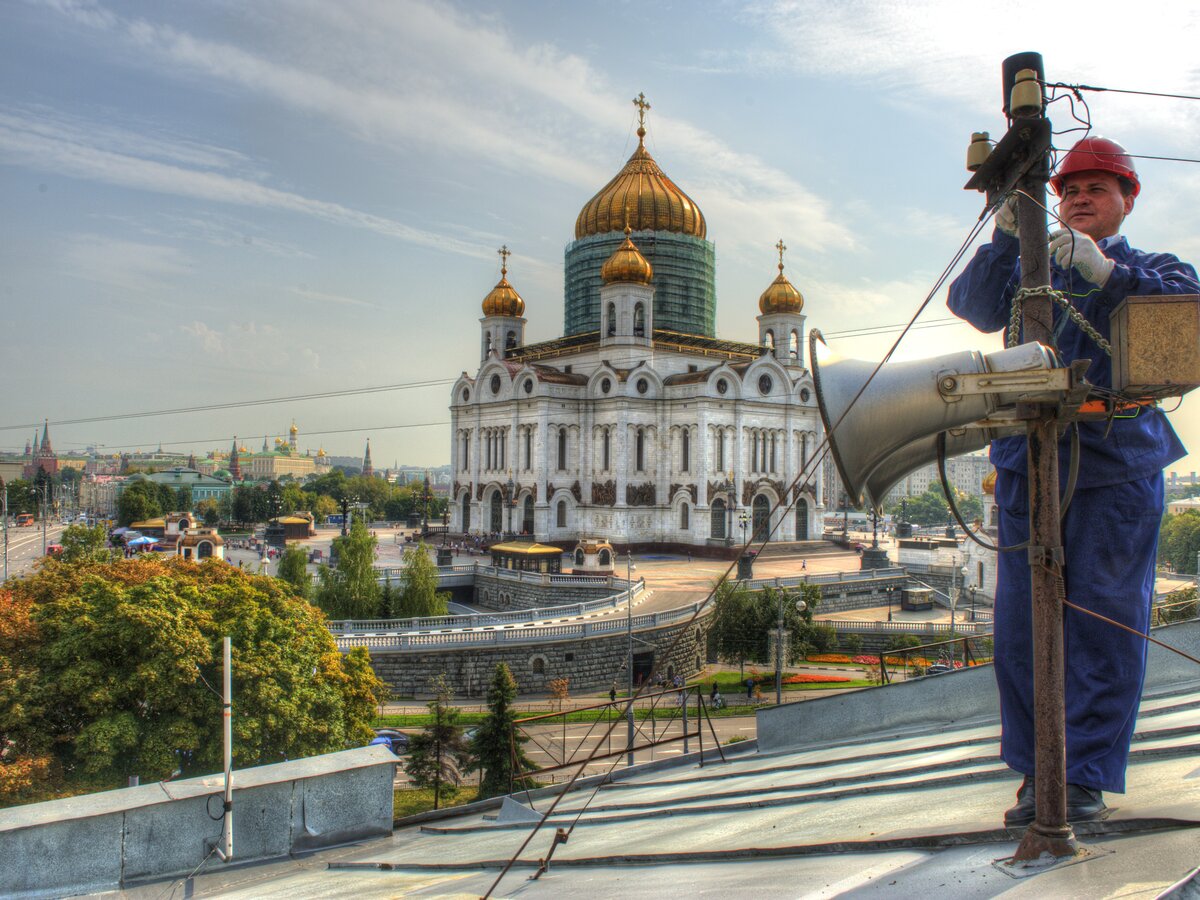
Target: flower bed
point(828, 658)
point(813, 678)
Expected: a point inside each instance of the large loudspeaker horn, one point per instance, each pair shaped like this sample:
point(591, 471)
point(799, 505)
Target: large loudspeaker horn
point(902, 404)
point(922, 452)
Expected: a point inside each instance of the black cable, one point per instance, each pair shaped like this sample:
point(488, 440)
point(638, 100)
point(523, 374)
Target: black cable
point(1108, 90)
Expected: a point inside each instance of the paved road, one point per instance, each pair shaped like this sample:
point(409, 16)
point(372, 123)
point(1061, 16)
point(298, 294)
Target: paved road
point(25, 547)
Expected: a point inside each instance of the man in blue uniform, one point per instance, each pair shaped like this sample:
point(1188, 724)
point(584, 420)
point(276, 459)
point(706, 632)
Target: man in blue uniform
point(1110, 532)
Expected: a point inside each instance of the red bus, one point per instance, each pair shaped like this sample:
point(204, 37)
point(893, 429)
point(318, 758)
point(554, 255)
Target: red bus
point(24, 519)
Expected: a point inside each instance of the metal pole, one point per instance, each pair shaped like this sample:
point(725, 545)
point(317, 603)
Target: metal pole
point(45, 514)
point(226, 849)
point(953, 583)
point(779, 654)
point(1050, 831)
point(629, 660)
point(6, 532)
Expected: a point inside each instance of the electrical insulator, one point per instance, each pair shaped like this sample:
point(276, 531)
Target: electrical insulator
point(1026, 97)
point(980, 150)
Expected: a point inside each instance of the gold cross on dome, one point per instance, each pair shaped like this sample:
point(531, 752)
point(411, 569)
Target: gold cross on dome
point(781, 247)
point(505, 253)
point(642, 104)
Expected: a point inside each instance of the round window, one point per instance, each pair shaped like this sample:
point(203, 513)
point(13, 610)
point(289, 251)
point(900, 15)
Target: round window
point(804, 395)
point(643, 385)
point(496, 384)
point(529, 385)
point(764, 384)
point(466, 395)
point(605, 386)
point(722, 385)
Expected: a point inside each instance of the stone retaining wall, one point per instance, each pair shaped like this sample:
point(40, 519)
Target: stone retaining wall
point(589, 663)
point(493, 592)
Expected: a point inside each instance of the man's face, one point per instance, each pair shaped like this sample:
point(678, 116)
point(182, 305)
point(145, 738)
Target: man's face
point(1093, 203)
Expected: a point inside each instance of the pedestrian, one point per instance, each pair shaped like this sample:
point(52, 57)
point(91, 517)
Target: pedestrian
point(749, 688)
point(804, 565)
point(1110, 529)
point(612, 694)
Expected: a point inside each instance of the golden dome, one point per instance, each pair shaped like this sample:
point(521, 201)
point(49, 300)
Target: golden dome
point(781, 296)
point(503, 299)
point(627, 265)
point(642, 197)
point(989, 483)
point(320, 451)
point(294, 429)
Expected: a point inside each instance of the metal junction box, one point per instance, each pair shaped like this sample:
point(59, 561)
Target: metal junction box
point(1156, 346)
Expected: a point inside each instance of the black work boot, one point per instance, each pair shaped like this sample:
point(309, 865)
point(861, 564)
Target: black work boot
point(1084, 804)
point(1023, 813)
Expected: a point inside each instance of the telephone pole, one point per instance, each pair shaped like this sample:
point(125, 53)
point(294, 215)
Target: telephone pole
point(1020, 162)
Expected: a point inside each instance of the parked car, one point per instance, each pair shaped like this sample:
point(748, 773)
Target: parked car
point(396, 741)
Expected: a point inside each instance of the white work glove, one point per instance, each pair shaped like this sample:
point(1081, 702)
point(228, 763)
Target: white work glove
point(1074, 248)
point(1006, 216)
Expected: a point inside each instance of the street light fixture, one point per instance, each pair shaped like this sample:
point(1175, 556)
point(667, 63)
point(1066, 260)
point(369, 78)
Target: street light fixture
point(801, 606)
point(743, 520)
point(630, 568)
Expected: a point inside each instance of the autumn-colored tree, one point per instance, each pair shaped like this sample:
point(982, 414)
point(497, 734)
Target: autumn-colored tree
point(112, 674)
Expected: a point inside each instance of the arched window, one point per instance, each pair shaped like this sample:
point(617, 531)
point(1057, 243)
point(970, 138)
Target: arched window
point(607, 449)
point(762, 515)
point(794, 345)
point(772, 469)
point(686, 456)
point(579, 556)
point(640, 451)
point(612, 319)
point(562, 449)
point(802, 519)
point(488, 346)
point(510, 340)
point(528, 449)
point(466, 513)
point(527, 518)
point(769, 339)
point(561, 514)
point(204, 551)
point(720, 450)
point(716, 527)
point(605, 557)
point(639, 320)
point(683, 517)
point(539, 666)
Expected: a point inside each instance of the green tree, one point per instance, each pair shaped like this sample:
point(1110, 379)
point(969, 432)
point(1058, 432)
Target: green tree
point(351, 591)
point(734, 627)
point(496, 738)
point(209, 511)
point(1179, 541)
point(139, 501)
point(293, 569)
point(438, 755)
point(120, 651)
point(418, 594)
point(183, 499)
point(81, 544)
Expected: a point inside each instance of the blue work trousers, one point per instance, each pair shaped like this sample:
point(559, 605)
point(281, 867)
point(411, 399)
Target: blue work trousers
point(1110, 537)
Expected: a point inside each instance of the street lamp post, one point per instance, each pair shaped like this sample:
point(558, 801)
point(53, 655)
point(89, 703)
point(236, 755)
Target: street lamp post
point(890, 589)
point(512, 502)
point(5, 486)
point(630, 568)
point(779, 653)
point(743, 519)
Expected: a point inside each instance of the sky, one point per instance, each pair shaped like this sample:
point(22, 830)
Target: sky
point(224, 202)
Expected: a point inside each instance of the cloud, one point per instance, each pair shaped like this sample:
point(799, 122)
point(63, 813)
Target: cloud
point(326, 299)
point(248, 346)
point(69, 151)
point(467, 88)
point(128, 266)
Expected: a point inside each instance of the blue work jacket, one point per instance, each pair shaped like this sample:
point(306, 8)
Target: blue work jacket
point(1135, 447)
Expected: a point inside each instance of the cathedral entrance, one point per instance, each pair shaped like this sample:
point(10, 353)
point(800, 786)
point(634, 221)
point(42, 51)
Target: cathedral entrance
point(466, 513)
point(716, 528)
point(762, 517)
point(527, 517)
point(802, 519)
point(497, 523)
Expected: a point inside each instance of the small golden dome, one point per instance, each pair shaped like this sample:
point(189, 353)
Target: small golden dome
point(627, 265)
point(641, 196)
point(294, 429)
point(320, 451)
point(503, 299)
point(989, 483)
point(781, 296)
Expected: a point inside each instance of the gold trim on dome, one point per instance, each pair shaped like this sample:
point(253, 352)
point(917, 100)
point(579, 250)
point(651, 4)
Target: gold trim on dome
point(989, 482)
point(641, 196)
point(627, 265)
point(781, 296)
point(503, 300)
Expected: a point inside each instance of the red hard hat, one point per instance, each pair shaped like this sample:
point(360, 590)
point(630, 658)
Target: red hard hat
point(1096, 154)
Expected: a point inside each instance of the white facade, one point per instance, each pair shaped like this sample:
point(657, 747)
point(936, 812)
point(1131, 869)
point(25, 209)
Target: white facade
point(636, 438)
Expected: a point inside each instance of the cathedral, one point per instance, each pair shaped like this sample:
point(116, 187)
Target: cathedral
point(639, 424)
